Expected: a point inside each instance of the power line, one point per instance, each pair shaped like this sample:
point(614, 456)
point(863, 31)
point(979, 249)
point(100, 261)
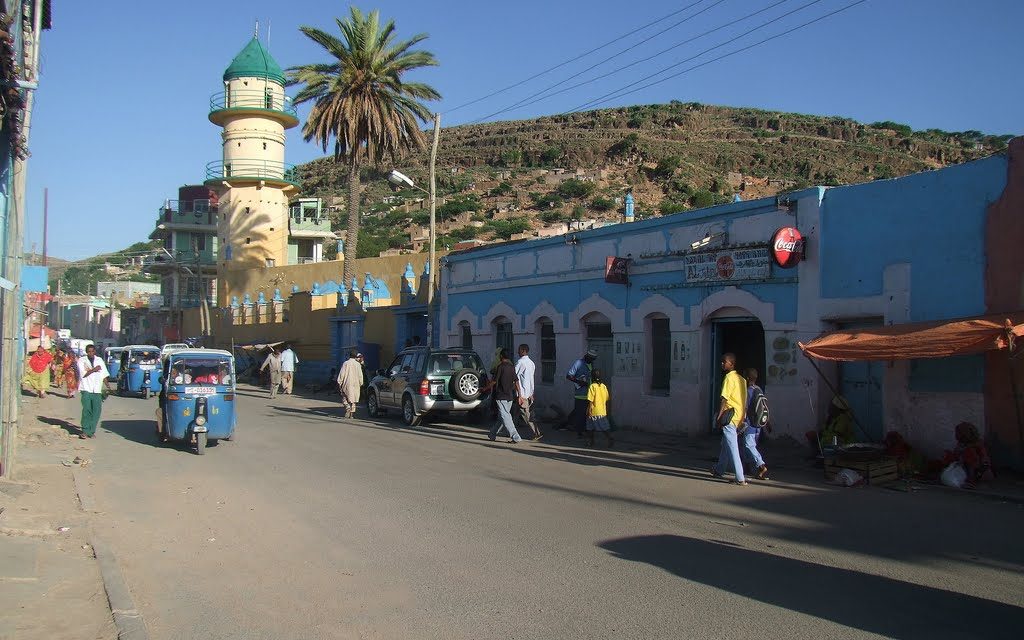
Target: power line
point(574, 59)
point(641, 60)
point(528, 98)
point(620, 92)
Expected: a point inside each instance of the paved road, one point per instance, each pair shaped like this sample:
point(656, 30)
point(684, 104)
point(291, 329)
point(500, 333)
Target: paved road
point(311, 526)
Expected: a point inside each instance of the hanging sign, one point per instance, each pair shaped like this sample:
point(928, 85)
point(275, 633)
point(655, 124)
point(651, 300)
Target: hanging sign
point(723, 265)
point(787, 247)
point(616, 270)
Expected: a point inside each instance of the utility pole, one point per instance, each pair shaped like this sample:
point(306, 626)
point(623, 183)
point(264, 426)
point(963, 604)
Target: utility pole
point(433, 230)
point(46, 214)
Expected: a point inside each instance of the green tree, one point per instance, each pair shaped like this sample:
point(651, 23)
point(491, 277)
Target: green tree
point(550, 155)
point(601, 203)
point(667, 167)
point(502, 189)
point(361, 101)
point(702, 199)
point(573, 188)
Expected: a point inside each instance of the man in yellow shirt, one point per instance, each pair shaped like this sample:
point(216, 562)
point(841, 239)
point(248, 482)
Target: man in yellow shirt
point(731, 414)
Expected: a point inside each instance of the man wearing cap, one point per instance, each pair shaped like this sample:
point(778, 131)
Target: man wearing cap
point(579, 375)
point(350, 381)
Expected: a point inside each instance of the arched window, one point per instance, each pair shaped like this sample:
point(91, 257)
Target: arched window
point(466, 335)
point(503, 338)
point(546, 335)
point(659, 352)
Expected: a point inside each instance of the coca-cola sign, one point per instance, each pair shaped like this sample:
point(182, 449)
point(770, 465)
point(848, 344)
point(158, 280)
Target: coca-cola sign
point(787, 247)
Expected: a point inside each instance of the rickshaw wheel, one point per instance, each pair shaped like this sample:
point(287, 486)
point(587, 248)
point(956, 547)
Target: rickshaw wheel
point(145, 393)
point(200, 443)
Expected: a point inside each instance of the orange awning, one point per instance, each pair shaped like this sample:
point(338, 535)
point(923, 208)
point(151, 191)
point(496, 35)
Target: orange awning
point(912, 340)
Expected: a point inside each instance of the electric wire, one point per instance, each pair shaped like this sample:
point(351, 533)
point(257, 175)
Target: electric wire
point(621, 92)
point(527, 102)
point(530, 97)
point(574, 59)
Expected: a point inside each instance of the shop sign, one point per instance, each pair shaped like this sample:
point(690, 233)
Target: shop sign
point(751, 263)
point(787, 247)
point(616, 270)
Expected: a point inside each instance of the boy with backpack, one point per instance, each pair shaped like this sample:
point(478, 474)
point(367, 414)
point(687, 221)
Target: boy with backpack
point(757, 418)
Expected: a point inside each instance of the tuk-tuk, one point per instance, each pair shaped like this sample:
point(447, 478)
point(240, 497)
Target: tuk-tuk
point(197, 403)
point(140, 370)
point(112, 356)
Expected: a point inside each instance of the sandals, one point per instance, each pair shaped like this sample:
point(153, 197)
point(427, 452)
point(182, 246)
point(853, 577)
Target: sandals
point(740, 483)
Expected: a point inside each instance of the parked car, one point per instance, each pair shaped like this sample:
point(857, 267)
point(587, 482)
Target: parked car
point(422, 380)
point(171, 347)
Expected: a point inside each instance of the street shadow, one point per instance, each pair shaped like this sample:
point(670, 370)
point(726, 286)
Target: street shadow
point(874, 604)
point(140, 431)
point(63, 424)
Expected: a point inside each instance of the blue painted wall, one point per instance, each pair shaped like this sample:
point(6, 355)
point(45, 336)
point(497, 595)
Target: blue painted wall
point(935, 221)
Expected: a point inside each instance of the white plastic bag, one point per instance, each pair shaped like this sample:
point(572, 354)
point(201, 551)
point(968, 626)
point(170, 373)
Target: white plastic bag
point(849, 478)
point(954, 476)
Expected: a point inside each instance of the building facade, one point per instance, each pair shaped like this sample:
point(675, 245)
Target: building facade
point(187, 260)
point(707, 282)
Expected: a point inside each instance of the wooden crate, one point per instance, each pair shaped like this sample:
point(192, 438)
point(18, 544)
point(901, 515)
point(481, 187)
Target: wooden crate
point(876, 470)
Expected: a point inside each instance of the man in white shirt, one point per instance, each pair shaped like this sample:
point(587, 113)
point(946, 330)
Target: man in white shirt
point(525, 370)
point(92, 375)
point(288, 362)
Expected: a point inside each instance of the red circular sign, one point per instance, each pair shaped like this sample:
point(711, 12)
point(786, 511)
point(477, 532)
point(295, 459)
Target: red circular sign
point(787, 247)
point(726, 267)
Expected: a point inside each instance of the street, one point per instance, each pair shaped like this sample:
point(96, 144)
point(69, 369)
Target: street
point(310, 526)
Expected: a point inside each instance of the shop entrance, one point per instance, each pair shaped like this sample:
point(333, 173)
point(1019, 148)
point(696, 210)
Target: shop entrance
point(599, 338)
point(743, 337)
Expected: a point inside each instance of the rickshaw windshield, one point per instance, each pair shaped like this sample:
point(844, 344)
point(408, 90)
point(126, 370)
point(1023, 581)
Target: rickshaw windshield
point(145, 357)
point(211, 371)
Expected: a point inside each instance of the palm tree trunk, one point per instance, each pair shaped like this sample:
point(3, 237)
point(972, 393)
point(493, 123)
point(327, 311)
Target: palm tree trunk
point(352, 230)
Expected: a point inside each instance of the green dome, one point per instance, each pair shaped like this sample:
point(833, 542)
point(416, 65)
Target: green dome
point(254, 62)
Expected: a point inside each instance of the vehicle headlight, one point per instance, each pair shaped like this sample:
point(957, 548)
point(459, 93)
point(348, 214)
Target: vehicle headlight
point(200, 420)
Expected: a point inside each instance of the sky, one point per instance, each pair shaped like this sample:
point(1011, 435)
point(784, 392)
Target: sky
point(120, 117)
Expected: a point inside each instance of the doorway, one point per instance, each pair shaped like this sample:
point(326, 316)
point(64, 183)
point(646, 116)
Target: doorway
point(743, 337)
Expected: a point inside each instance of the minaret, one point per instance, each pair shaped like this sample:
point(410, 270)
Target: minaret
point(252, 181)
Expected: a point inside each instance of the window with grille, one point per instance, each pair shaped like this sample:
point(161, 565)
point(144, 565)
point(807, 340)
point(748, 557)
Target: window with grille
point(503, 337)
point(547, 351)
point(660, 353)
point(467, 335)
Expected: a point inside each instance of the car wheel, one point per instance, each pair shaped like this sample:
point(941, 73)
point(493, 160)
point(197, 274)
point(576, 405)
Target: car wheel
point(465, 385)
point(409, 412)
point(372, 407)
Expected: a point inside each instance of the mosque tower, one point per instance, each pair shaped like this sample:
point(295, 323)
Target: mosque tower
point(252, 181)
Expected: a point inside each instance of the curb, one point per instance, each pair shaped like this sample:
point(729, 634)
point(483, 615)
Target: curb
point(84, 491)
point(130, 625)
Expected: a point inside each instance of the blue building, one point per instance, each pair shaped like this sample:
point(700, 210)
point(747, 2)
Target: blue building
point(754, 278)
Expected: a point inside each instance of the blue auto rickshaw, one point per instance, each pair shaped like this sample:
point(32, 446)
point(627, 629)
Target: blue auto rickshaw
point(112, 356)
point(140, 370)
point(197, 403)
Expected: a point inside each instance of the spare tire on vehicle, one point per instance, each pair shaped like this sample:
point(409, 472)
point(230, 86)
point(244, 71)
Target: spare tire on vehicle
point(465, 385)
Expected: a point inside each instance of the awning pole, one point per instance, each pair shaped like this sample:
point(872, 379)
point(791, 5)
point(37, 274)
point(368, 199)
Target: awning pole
point(836, 393)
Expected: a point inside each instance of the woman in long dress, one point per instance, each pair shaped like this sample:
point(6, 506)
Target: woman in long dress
point(70, 375)
point(37, 374)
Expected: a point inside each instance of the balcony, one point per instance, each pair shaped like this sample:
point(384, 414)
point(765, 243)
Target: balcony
point(245, 170)
point(188, 212)
point(257, 102)
point(182, 259)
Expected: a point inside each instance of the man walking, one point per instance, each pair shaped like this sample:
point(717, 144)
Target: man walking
point(93, 374)
point(579, 375)
point(525, 369)
point(731, 414)
point(273, 362)
point(350, 382)
point(506, 387)
point(751, 431)
point(288, 362)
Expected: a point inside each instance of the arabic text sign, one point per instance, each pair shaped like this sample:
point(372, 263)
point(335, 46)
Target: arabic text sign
point(728, 264)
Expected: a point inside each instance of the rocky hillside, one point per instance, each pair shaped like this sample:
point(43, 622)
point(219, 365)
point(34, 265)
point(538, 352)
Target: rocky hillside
point(674, 157)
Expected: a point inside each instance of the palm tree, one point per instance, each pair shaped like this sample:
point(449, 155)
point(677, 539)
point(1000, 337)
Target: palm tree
point(360, 100)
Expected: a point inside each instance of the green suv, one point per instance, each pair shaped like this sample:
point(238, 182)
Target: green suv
point(422, 380)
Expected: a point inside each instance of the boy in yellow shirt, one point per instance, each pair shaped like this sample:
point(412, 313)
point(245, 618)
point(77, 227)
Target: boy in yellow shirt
point(597, 409)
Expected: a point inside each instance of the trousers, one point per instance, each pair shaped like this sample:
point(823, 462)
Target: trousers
point(92, 406)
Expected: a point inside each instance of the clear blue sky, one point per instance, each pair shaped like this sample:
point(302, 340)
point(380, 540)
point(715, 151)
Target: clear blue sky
point(120, 118)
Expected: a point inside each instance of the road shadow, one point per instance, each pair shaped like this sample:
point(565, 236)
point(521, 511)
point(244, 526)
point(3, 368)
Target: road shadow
point(140, 431)
point(59, 422)
point(874, 604)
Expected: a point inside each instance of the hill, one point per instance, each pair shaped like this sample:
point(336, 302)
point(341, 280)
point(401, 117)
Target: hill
point(80, 276)
point(522, 177)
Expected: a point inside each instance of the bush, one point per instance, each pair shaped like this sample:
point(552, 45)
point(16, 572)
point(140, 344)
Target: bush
point(671, 205)
point(554, 215)
point(547, 200)
point(574, 188)
point(902, 129)
point(502, 189)
point(602, 204)
point(511, 157)
point(506, 228)
point(465, 233)
point(624, 146)
point(667, 166)
point(702, 199)
point(550, 155)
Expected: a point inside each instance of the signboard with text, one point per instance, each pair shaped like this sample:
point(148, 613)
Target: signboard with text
point(724, 265)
